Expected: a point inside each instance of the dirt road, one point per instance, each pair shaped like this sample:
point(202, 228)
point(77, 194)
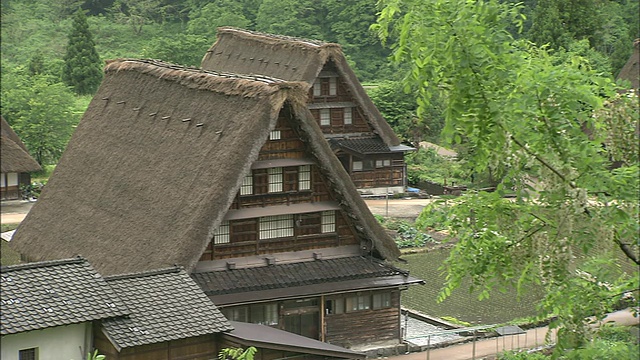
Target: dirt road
point(13, 212)
point(398, 208)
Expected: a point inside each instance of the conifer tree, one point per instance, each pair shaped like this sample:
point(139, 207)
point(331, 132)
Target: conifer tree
point(82, 68)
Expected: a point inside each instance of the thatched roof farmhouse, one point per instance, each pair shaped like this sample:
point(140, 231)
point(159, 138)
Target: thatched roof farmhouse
point(156, 161)
point(365, 143)
point(15, 162)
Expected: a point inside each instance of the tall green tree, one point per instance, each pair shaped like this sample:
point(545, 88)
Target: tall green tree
point(40, 111)
point(537, 119)
point(205, 20)
point(301, 18)
point(82, 67)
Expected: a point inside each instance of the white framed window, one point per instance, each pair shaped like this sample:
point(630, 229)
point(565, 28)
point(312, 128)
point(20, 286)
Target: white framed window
point(348, 116)
point(387, 162)
point(279, 226)
point(333, 86)
point(247, 185)
point(357, 166)
point(360, 302)
point(325, 117)
point(274, 135)
point(317, 87)
point(222, 234)
point(275, 179)
point(379, 163)
point(328, 221)
point(304, 177)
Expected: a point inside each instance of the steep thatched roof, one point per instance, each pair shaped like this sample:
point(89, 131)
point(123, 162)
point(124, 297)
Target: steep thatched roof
point(292, 59)
point(631, 70)
point(156, 162)
point(14, 157)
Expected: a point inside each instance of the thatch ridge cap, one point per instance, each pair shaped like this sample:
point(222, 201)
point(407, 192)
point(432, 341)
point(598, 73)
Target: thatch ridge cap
point(266, 37)
point(223, 82)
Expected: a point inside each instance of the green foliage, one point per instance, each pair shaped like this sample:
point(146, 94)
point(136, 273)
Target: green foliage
point(534, 120)
point(95, 356)
point(237, 353)
point(513, 355)
point(427, 165)
point(301, 18)
point(207, 19)
point(39, 110)
point(408, 235)
point(399, 109)
point(433, 216)
point(82, 67)
point(455, 321)
point(180, 49)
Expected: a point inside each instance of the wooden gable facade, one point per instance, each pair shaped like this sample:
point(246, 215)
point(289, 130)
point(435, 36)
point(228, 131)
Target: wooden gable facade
point(286, 214)
point(366, 145)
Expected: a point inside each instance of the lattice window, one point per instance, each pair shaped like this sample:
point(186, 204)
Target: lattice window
point(348, 116)
point(328, 221)
point(275, 135)
point(325, 117)
point(28, 354)
point(222, 234)
point(317, 87)
point(304, 177)
point(272, 227)
point(275, 179)
point(333, 86)
point(247, 185)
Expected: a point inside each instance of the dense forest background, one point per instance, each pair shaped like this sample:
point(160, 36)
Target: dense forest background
point(43, 107)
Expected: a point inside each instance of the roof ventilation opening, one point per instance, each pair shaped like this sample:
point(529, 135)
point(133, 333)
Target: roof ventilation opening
point(317, 256)
point(231, 265)
point(270, 260)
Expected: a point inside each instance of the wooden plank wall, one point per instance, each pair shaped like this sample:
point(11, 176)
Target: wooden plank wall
point(365, 326)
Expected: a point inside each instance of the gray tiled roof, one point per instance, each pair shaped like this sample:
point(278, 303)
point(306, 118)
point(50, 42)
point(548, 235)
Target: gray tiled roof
point(165, 305)
point(363, 145)
point(293, 274)
point(54, 293)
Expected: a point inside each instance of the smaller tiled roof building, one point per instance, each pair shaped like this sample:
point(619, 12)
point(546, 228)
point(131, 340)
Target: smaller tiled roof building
point(169, 314)
point(60, 299)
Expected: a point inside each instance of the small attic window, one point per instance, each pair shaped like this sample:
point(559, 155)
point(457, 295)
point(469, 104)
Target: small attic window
point(317, 87)
point(348, 116)
point(325, 117)
point(275, 135)
point(221, 235)
point(304, 177)
point(333, 86)
point(247, 185)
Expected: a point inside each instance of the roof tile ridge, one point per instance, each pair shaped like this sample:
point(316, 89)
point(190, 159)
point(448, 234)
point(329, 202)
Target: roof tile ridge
point(42, 264)
point(147, 273)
